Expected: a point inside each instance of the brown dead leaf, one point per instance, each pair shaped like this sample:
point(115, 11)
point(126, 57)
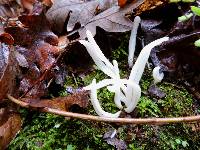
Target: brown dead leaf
point(10, 122)
point(36, 50)
point(28, 4)
point(122, 3)
point(61, 103)
point(9, 9)
point(111, 139)
point(84, 13)
point(149, 5)
point(7, 71)
point(9, 129)
point(78, 10)
point(48, 3)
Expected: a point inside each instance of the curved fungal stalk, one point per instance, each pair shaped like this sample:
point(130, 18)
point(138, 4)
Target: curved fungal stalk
point(157, 75)
point(97, 106)
point(132, 40)
point(95, 52)
point(116, 86)
point(98, 61)
point(138, 68)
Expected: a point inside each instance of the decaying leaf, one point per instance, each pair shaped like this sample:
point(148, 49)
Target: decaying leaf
point(112, 20)
point(110, 138)
point(10, 121)
point(9, 129)
point(79, 11)
point(122, 3)
point(9, 9)
point(154, 91)
point(36, 49)
point(61, 103)
point(149, 5)
point(7, 71)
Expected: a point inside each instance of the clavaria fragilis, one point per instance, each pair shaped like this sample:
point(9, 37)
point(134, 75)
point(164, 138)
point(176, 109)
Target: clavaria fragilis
point(132, 41)
point(126, 90)
point(157, 75)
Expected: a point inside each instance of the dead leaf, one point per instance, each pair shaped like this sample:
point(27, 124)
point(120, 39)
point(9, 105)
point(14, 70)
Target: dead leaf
point(48, 3)
point(7, 71)
point(111, 20)
point(11, 9)
point(79, 12)
point(110, 138)
point(122, 3)
point(9, 129)
point(36, 49)
point(149, 5)
point(28, 4)
point(61, 103)
point(154, 91)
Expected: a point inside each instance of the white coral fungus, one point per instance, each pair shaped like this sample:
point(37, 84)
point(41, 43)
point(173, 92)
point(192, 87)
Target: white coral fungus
point(126, 90)
point(132, 41)
point(157, 75)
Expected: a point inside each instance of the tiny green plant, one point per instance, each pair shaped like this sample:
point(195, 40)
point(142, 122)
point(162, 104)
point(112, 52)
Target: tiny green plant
point(196, 11)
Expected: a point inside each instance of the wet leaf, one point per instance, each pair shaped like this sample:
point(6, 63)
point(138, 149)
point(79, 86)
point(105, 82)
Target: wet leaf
point(110, 138)
point(61, 103)
point(9, 129)
point(36, 49)
point(112, 20)
point(154, 91)
point(7, 71)
point(79, 11)
point(9, 9)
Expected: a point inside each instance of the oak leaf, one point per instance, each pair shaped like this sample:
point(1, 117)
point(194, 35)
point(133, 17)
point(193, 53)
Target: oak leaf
point(75, 12)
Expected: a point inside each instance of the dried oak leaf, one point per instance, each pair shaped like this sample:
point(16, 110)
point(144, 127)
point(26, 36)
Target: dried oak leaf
point(9, 9)
point(112, 19)
point(9, 129)
point(7, 71)
point(10, 122)
point(61, 103)
point(79, 11)
point(36, 50)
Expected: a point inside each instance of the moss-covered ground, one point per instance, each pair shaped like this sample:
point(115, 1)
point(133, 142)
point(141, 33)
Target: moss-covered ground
point(46, 131)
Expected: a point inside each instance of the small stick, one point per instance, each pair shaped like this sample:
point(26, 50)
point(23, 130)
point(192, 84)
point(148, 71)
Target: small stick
point(149, 121)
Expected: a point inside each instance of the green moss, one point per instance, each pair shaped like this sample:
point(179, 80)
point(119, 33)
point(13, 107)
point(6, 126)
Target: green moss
point(45, 131)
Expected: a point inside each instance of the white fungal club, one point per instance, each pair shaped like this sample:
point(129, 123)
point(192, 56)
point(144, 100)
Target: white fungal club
point(127, 91)
point(132, 41)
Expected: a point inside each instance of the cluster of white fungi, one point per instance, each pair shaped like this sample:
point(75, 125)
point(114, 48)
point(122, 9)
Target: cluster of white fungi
point(127, 91)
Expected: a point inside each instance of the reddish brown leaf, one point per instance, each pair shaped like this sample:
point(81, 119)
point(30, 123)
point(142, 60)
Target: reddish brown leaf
point(9, 9)
point(9, 130)
point(37, 51)
point(7, 71)
point(61, 103)
point(28, 4)
point(6, 38)
point(122, 3)
point(48, 3)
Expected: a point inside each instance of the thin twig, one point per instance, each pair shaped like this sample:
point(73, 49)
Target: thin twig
point(157, 121)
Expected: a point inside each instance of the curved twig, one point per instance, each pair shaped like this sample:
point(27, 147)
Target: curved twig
point(157, 121)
